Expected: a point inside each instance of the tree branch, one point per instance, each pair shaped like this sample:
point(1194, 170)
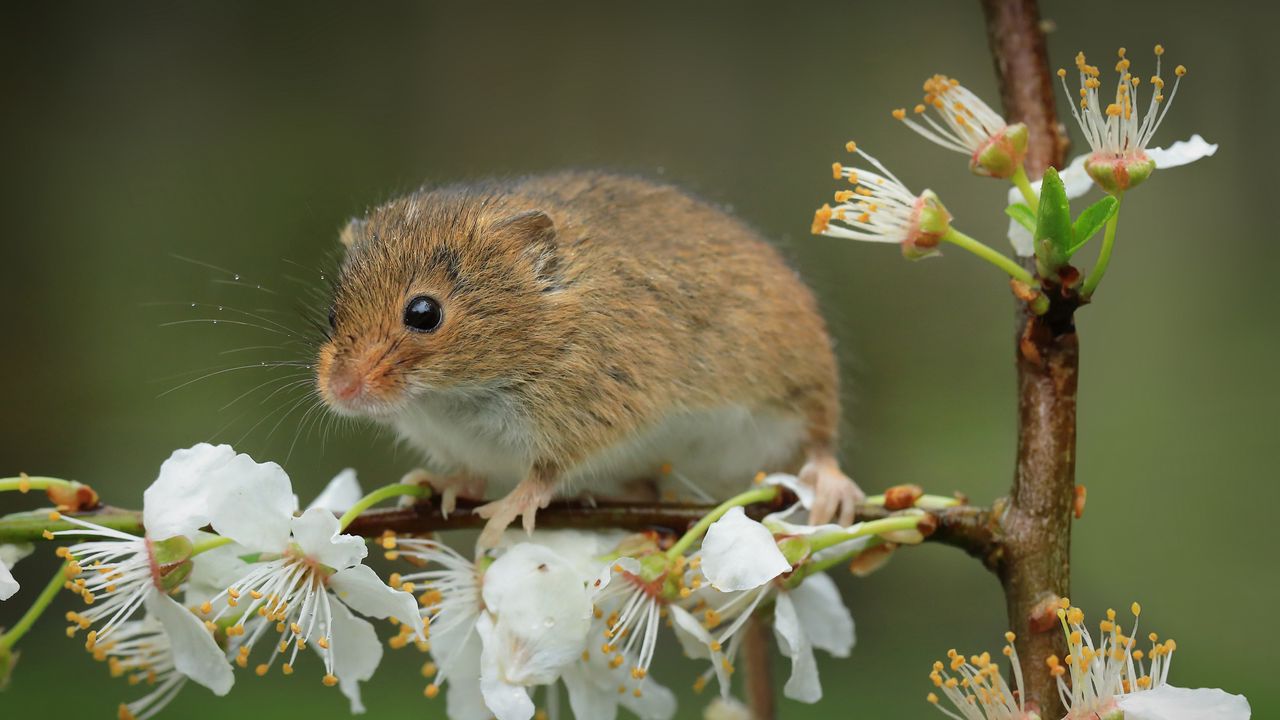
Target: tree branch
point(1034, 567)
point(963, 526)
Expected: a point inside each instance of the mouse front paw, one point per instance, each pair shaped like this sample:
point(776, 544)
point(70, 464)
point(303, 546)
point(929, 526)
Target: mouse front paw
point(449, 487)
point(524, 502)
point(836, 495)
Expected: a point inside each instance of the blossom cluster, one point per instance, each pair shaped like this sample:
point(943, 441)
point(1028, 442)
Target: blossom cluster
point(232, 573)
point(1109, 678)
point(876, 206)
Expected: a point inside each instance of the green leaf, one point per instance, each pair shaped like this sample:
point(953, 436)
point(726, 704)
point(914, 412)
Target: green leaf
point(1092, 220)
point(1023, 215)
point(1054, 235)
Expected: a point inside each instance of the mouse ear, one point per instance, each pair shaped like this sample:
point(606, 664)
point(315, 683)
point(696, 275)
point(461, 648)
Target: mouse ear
point(537, 231)
point(353, 231)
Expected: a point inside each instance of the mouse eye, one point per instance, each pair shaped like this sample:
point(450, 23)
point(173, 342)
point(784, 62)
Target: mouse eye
point(333, 317)
point(423, 314)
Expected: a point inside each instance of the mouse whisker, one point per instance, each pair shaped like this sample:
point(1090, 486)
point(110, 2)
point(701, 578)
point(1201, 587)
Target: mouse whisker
point(215, 321)
point(223, 371)
point(292, 379)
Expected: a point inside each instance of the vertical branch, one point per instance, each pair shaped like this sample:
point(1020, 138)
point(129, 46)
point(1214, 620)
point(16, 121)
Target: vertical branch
point(1035, 565)
point(755, 646)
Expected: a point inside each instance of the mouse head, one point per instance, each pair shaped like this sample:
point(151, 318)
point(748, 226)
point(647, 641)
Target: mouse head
point(445, 291)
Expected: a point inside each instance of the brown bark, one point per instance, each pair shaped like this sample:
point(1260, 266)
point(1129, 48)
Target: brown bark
point(759, 662)
point(1034, 562)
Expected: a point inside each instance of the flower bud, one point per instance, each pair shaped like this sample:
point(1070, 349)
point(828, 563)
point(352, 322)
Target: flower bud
point(1117, 173)
point(900, 497)
point(1002, 154)
point(871, 559)
point(77, 497)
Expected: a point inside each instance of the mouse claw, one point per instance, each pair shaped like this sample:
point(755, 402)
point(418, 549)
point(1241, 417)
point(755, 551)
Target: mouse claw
point(835, 495)
point(523, 502)
point(450, 487)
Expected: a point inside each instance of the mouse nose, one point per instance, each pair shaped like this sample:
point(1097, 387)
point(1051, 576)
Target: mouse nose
point(346, 384)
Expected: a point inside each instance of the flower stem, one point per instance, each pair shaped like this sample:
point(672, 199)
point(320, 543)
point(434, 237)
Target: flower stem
point(1023, 184)
point(15, 633)
point(1015, 271)
point(762, 494)
point(825, 564)
point(377, 496)
point(863, 529)
point(1104, 255)
point(25, 483)
point(211, 543)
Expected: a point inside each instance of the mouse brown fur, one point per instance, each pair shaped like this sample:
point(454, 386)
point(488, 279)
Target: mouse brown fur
point(594, 330)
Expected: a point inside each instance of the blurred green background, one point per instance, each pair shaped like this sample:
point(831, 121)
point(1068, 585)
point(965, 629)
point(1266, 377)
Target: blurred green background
point(242, 135)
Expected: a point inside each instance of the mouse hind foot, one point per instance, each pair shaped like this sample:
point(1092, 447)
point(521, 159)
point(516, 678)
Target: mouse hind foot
point(524, 501)
point(836, 495)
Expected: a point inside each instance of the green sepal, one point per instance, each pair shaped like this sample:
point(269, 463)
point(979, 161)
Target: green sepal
point(795, 549)
point(654, 566)
point(172, 550)
point(174, 576)
point(1092, 220)
point(1022, 214)
point(1054, 235)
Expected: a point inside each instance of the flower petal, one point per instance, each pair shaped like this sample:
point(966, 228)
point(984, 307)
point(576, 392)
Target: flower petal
point(214, 571)
point(195, 654)
point(739, 553)
point(623, 564)
point(823, 616)
point(8, 586)
point(694, 635)
point(543, 613)
point(1174, 703)
point(726, 709)
point(656, 702)
point(356, 652)
point(361, 589)
point(340, 494)
point(9, 556)
point(587, 698)
point(506, 700)
point(581, 548)
point(247, 501)
point(1182, 152)
point(320, 536)
point(803, 684)
point(457, 650)
point(802, 490)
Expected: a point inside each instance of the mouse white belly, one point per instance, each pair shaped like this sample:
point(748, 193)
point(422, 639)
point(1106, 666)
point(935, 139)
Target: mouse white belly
point(716, 450)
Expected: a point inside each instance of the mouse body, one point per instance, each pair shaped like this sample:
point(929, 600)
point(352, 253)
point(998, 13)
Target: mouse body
point(582, 333)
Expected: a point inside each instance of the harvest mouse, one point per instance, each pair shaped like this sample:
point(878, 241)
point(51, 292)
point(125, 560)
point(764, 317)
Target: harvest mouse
point(582, 332)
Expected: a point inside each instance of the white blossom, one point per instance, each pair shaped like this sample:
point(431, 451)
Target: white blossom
point(880, 208)
point(741, 560)
point(1078, 183)
point(202, 485)
point(1113, 678)
point(969, 126)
